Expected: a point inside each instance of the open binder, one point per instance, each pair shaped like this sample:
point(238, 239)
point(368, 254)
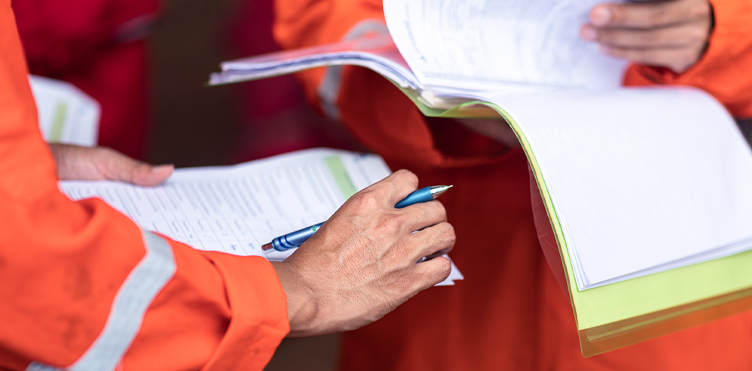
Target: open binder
point(611, 314)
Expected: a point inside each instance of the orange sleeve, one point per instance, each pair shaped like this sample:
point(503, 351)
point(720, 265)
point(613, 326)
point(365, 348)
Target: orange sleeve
point(366, 102)
point(84, 288)
point(301, 23)
point(725, 70)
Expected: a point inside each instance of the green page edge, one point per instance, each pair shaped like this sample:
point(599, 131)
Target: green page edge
point(632, 298)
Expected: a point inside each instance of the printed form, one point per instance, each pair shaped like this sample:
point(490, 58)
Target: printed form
point(237, 209)
point(500, 45)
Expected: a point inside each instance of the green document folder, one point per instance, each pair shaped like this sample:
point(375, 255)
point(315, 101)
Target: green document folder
point(624, 313)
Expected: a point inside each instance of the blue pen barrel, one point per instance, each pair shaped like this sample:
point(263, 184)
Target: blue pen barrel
point(295, 239)
point(421, 195)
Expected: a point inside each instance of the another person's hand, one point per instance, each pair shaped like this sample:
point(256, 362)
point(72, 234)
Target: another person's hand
point(362, 263)
point(100, 163)
point(671, 33)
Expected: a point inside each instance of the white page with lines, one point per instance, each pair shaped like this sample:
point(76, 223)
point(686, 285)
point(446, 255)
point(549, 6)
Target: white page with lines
point(500, 45)
point(236, 209)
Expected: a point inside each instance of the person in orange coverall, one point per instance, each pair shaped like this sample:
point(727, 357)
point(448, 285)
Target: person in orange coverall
point(510, 313)
point(84, 288)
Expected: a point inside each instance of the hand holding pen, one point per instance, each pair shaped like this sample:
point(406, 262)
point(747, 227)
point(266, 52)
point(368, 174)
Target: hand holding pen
point(362, 263)
point(295, 239)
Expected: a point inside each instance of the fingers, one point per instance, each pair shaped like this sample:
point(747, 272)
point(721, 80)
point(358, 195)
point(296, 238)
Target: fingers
point(395, 187)
point(678, 60)
point(422, 215)
point(438, 239)
point(75, 162)
point(116, 166)
point(432, 272)
point(99, 163)
point(686, 35)
point(670, 33)
point(649, 15)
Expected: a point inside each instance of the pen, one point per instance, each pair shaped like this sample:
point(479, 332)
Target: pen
point(295, 239)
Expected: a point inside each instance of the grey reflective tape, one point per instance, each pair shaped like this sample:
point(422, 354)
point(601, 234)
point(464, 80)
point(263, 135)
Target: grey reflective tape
point(328, 89)
point(133, 299)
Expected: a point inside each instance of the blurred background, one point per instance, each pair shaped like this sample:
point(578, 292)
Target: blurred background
point(196, 125)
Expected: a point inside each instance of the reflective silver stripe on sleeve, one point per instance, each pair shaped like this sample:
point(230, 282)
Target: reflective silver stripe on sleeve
point(136, 294)
point(328, 89)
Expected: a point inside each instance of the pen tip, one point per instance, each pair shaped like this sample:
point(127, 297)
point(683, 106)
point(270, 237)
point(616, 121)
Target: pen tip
point(437, 191)
point(267, 246)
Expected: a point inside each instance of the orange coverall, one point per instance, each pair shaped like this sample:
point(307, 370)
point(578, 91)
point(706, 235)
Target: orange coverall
point(83, 288)
point(509, 313)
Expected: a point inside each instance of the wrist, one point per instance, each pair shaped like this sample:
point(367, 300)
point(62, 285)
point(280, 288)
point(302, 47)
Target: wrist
point(302, 310)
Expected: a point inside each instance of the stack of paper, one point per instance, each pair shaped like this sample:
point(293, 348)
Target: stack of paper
point(237, 209)
point(377, 53)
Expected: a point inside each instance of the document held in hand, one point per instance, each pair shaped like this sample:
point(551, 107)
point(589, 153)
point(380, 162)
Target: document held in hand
point(237, 209)
point(647, 190)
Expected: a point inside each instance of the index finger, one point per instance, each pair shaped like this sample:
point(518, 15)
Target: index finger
point(395, 187)
point(649, 14)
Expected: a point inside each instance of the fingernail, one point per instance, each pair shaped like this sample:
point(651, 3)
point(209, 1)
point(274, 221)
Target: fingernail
point(162, 168)
point(588, 33)
point(600, 16)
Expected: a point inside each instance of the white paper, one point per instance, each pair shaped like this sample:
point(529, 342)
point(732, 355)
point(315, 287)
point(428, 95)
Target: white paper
point(500, 45)
point(66, 114)
point(237, 209)
point(642, 180)
point(376, 53)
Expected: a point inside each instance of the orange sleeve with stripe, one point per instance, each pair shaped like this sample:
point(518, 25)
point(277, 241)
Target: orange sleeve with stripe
point(725, 69)
point(84, 288)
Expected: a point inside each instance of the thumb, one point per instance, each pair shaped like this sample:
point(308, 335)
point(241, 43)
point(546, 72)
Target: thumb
point(125, 169)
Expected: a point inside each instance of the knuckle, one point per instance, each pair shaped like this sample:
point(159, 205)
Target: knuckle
point(700, 9)
point(364, 202)
point(447, 233)
point(388, 224)
point(405, 178)
point(444, 268)
point(407, 175)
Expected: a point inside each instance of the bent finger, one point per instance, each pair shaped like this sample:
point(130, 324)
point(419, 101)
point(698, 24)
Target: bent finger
point(422, 215)
point(649, 15)
point(676, 59)
point(432, 241)
point(432, 272)
point(684, 35)
point(119, 167)
point(395, 187)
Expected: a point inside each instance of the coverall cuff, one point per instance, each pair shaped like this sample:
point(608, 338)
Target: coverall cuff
point(259, 313)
